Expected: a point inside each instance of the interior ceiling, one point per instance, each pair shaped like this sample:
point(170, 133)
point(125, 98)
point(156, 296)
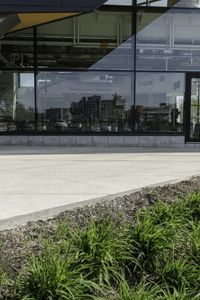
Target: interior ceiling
point(21, 14)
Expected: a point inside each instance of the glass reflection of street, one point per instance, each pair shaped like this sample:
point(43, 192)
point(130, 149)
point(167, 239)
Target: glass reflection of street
point(195, 109)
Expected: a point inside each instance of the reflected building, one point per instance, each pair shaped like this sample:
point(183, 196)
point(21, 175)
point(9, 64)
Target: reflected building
point(94, 114)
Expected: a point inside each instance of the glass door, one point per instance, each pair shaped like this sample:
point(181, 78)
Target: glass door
point(193, 108)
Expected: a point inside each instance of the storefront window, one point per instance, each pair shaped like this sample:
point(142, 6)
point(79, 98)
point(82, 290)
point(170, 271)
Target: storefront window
point(85, 101)
point(168, 40)
point(99, 40)
point(17, 111)
point(159, 102)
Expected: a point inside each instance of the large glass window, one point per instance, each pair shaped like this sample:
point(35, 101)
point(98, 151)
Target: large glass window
point(194, 126)
point(17, 111)
point(159, 102)
point(85, 101)
point(16, 50)
point(168, 40)
point(170, 3)
point(99, 40)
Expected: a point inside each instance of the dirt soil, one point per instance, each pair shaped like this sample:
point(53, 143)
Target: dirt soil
point(18, 243)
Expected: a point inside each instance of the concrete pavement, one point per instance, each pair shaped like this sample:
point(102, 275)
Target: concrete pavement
point(35, 180)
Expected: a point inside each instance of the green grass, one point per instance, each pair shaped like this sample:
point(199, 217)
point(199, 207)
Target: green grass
point(157, 257)
point(102, 250)
point(53, 276)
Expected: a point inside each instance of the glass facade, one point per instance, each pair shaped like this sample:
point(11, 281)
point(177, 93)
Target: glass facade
point(85, 101)
point(121, 69)
point(17, 112)
point(159, 102)
point(168, 41)
point(74, 43)
point(16, 50)
point(170, 3)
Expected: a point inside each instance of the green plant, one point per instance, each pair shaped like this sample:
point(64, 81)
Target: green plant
point(157, 257)
point(3, 278)
point(144, 291)
point(192, 247)
point(190, 207)
point(51, 276)
point(166, 214)
point(103, 248)
point(177, 273)
point(149, 240)
point(173, 294)
point(125, 292)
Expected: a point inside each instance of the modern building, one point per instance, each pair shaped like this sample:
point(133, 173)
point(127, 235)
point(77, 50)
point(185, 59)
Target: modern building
point(99, 72)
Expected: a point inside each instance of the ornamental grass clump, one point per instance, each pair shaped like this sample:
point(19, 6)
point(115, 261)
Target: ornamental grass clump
point(166, 246)
point(103, 247)
point(192, 245)
point(178, 273)
point(189, 207)
point(51, 276)
point(149, 240)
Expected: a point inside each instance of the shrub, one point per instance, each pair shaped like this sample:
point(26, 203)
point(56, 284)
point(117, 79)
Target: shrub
point(51, 276)
point(149, 240)
point(103, 248)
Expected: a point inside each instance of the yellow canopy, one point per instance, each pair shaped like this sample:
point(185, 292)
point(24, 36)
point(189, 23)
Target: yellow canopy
point(33, 19)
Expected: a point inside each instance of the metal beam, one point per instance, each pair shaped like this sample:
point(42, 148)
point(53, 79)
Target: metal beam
point(19, 6)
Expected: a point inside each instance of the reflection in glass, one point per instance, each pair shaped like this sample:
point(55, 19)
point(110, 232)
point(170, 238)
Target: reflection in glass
point(159, 102)
point(170, 3)
point(16, 102)
point(119, 2)
point(16, 50)
point(99, 40)
point(85, 101)
point(168, 40)
point(195, 109)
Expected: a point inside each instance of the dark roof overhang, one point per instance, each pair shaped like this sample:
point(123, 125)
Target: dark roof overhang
point(24, 6)
point(21, 14)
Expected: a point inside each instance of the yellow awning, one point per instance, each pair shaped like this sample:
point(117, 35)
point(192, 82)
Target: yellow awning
point(32, 19)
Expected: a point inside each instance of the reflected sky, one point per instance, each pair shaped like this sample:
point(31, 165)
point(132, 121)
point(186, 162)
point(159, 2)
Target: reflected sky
point(119, 2)
point(167, 3)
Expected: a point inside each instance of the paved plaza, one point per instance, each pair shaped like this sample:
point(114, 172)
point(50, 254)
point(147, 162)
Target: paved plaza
point(41, 181)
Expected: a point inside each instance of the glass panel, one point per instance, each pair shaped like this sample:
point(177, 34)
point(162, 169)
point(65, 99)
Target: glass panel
point(16, 101)
point(195, 109)
point(159, 102)
point(170, 3)
point(85, 101)
point(119, 2)
point(168, 40)
point(99, 40)
point(16, 50)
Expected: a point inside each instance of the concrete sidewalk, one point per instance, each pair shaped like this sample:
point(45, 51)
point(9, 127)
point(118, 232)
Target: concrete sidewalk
point(34, 179)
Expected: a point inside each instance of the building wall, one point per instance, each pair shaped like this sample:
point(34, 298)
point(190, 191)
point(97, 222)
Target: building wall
point(94, 140)
point(123, 76)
